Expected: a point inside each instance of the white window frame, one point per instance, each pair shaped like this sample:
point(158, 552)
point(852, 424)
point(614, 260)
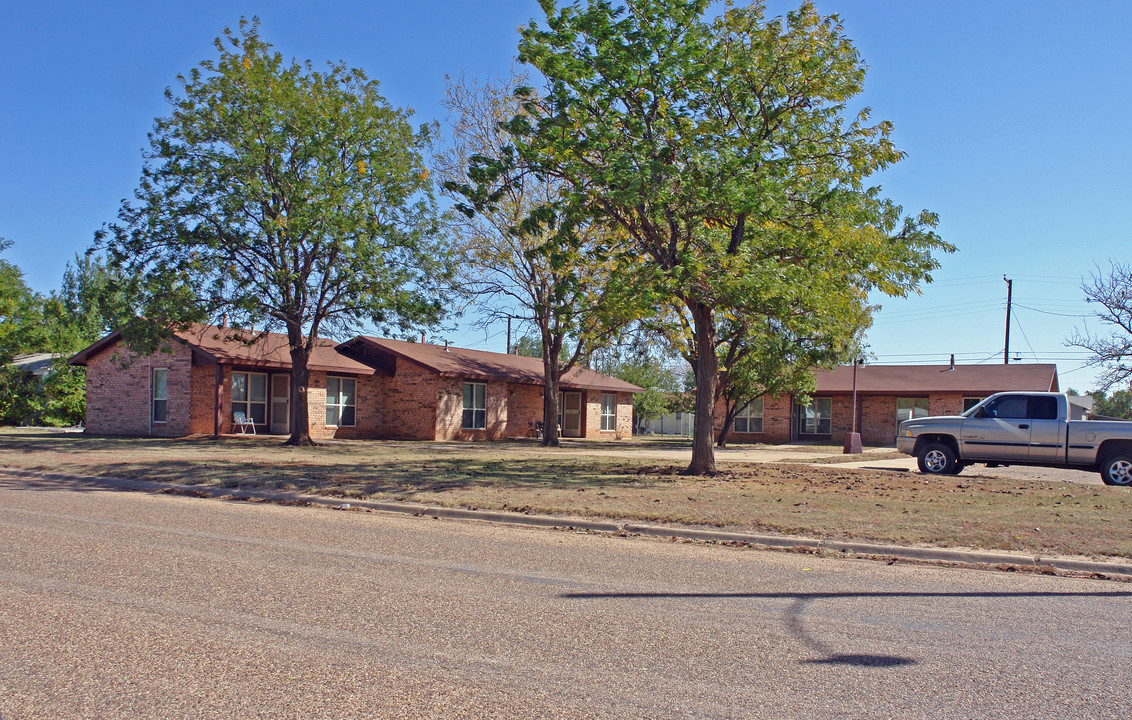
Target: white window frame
point(811, 418)
point(163, 398)
point(608, 414)
point(246, 405)
point(749, 416)
point(478, 411)
point(341, 406)
point(910, 411)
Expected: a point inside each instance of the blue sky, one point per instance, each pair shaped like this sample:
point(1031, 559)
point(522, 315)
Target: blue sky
point(1014, 115)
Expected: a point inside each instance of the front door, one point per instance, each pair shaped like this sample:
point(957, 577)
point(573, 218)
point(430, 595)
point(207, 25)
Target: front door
point(571, 414)
point(280, 404)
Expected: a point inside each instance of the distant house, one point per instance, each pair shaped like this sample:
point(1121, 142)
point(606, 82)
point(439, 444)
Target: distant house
point(37, 364)
point(211, 378)
point(886, 394)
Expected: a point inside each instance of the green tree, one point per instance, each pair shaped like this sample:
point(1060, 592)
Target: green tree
point(722, 151)
point(284, 197)
point(21, 312)
point(1117, 405)
point(660, 382)
point(1112, 293)
point(91, 302)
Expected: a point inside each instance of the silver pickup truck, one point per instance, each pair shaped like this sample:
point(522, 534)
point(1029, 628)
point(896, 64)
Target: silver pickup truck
point(1020, 428)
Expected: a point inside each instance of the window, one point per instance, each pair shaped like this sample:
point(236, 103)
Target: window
point(908, 408)
point(160, 394)
point(1043, 408)
point(1008, 407)
point(249, 396)
point(475, 406)
point(750, 418)
point(816, 417)
point(608, 411)
point(340, 402)
point(970, 402)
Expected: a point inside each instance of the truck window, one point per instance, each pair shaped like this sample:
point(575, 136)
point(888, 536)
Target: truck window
point(1009, 407)
point(1043, 408)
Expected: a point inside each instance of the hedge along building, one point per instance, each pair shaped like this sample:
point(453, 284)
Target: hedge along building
point(207, 378)
point(886, 394)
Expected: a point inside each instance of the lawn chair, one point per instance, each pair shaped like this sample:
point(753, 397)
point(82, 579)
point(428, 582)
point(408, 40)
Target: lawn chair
point(241, 421)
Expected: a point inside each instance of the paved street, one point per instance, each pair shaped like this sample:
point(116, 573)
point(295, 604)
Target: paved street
point(132, 605)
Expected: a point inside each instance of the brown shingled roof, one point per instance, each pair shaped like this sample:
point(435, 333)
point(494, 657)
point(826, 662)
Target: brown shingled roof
point(480, 364)
point(227, 346)
point(913, 379)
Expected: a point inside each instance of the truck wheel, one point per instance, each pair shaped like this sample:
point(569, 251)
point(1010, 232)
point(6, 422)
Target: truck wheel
point(937, 459)
point(1117, 469)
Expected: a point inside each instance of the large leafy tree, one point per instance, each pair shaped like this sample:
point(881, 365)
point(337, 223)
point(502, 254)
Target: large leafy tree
point(21, 311)
point(1111, 291)
point(283, 197)
point(518, 260)
point(724, 151)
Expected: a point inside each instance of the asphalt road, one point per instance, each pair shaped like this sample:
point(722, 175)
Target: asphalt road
point(135, 605)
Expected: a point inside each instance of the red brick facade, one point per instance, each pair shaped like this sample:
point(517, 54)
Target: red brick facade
point(119, 386)
point(876, 417)
point(411, 403)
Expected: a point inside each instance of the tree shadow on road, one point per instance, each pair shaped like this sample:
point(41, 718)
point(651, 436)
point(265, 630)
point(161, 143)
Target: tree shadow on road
point(827, 655)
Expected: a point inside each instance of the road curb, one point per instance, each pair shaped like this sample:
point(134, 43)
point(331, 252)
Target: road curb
point(606, 526)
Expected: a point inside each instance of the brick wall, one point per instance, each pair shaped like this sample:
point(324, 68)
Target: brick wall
point(411, 402)
point(118, 386)
point(415, 403)
point(203, 400)
point(524, 409)
point(512, 410)
point(776, 421)
point(591, 416)
point(368, 395)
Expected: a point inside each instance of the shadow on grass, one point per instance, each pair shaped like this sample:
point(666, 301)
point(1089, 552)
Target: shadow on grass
point(359, 468)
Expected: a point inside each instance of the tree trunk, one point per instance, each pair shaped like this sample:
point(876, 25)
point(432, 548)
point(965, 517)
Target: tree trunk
point(300, 385)
point(730, 411)
point(550, 402)
point(707, 376)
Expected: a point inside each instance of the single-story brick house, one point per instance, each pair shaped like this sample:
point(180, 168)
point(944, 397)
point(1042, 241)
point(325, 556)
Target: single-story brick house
point(886, 394)
point(207, 378)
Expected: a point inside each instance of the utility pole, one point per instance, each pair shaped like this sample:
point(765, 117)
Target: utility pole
point(508, 334)
point(1009, 293)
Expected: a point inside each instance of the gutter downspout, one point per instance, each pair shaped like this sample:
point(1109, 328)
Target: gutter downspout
point(218, 419)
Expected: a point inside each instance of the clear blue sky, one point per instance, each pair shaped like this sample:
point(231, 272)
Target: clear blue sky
point(1014, 115)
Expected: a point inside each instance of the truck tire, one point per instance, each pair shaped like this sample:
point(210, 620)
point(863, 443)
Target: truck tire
point(1116, 469)
point(937, 459)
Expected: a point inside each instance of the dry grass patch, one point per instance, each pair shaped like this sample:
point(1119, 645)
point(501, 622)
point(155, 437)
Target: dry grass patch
point(974, 510)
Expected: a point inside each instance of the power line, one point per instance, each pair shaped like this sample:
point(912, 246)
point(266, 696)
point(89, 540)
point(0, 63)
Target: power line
point(1050, 312)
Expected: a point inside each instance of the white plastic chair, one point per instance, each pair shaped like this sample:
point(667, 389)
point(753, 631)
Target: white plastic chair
point(241, 421)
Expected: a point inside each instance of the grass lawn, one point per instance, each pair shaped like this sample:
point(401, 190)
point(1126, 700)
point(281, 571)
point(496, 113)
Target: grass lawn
point(814, 498)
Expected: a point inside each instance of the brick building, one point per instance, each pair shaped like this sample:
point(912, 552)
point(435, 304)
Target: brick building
point(210, 380)
point(886, 394)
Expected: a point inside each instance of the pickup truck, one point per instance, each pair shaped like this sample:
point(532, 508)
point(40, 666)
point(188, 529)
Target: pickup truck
point(1020, 428)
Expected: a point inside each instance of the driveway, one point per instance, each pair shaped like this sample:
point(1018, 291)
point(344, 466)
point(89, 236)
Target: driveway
point(127, 605)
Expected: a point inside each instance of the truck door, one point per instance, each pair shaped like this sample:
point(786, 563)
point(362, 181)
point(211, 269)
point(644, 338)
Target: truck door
point(999, 431)
point(1047, 432)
